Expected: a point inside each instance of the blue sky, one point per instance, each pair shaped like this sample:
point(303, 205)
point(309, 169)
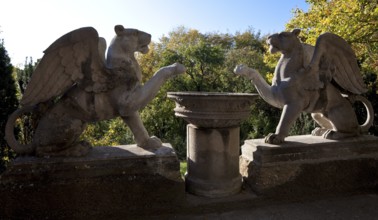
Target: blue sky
point(29, 27)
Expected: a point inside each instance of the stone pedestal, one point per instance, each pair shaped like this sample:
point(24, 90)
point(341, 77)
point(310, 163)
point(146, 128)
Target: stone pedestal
point(213, 164)
point(308, 165)
point(213, 139)
point(109, 183)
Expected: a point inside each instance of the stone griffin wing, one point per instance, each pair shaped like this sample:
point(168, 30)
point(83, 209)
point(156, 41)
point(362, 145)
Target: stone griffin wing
point(72, 59)
point(336, 61)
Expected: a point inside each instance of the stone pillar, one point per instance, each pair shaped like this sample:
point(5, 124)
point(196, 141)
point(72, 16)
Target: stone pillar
point(213, 139)
point(213, 164)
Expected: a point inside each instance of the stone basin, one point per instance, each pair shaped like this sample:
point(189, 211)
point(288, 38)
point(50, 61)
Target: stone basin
point(212, 109)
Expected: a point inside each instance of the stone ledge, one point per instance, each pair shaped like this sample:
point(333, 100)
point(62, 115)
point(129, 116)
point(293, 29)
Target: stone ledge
point(101, 161)
point(110, 182)
point(310, 165)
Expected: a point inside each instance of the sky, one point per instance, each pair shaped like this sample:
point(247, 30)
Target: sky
point(28, 27)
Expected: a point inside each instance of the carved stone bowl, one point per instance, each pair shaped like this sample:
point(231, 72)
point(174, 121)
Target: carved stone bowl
point(212, 109)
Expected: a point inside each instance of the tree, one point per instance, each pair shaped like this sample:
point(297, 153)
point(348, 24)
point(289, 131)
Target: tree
point(27, 122)
point(210, 60)
point(8, 102)
point(354, 20)
point(108, 133)
point(24, 75)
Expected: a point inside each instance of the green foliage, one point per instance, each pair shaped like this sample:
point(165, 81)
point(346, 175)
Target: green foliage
point(27, 123)
point(108, 133)
point(303, 125)
point(24, 75)
point(210, 60)
point(354, 20)
point(8, 102)
point(264, 119)
point(183, 168)
point(160, 121)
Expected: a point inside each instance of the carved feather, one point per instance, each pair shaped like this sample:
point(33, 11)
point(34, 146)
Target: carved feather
point(342, 62)
point(61, 67)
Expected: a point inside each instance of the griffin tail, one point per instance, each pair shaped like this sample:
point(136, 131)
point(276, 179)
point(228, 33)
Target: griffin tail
point(364, 128)
point(9, 132)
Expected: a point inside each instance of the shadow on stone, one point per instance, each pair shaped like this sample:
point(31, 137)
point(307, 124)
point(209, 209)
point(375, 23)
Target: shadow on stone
point(308, 165)
point(109, 183)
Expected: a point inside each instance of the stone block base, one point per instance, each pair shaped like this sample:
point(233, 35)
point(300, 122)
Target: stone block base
point(308, 165)
point(109, 183)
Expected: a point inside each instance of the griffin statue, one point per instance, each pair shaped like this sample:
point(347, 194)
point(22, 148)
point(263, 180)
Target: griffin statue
point(74, 84)
point(323, 80)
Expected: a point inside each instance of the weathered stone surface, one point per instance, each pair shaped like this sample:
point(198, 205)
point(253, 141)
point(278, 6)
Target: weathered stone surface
point(310, 165)
point(302, 82)
point(213, 141)
point(213, 165)
point(108, 183)
point(213, 109)
point(73, 85)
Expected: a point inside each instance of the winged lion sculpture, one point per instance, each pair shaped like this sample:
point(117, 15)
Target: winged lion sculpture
point(74, 84)
point(323, 80)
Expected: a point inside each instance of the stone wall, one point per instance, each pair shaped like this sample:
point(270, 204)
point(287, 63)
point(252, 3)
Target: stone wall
point(109, 183)
point(308, 165)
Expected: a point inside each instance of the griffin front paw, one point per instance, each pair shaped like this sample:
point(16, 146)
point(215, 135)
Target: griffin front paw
point(245, 71)
point(179, 68)
point(151, 144)
point(274, 139)
point(173, 70)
